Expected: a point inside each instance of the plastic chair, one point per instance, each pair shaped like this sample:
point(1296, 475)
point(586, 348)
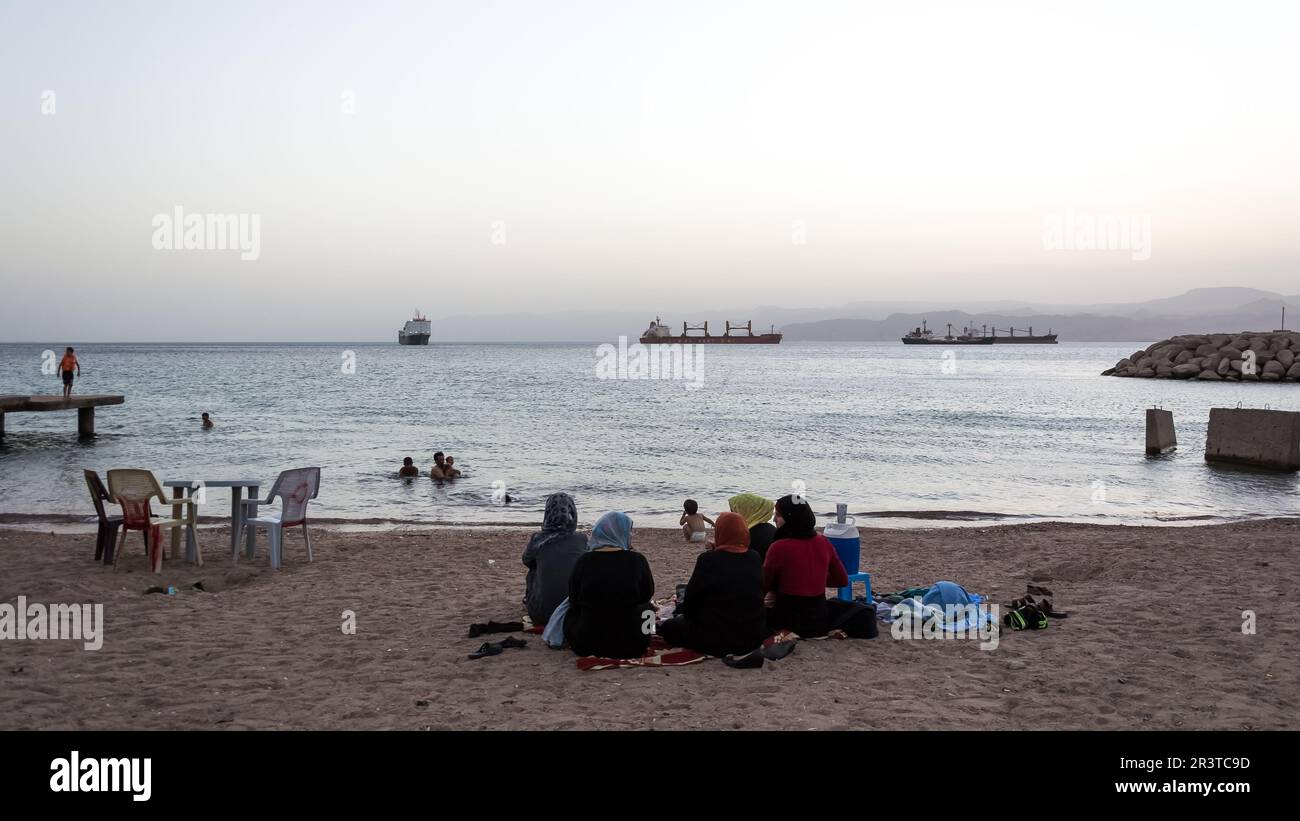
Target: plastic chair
point(106, 537)
point(133, 489)
point(846, 593)
point(295, 488)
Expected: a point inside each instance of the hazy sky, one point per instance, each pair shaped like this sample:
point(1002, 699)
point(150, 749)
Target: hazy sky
point(490, 157)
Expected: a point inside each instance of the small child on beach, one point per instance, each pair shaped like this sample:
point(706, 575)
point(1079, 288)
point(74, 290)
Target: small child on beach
point(408, 468)
point(694, 524)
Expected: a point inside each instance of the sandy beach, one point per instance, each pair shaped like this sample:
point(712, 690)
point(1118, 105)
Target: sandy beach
point(1154, 639)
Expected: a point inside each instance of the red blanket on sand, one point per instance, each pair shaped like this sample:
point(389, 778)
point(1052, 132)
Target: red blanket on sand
point(658, 654)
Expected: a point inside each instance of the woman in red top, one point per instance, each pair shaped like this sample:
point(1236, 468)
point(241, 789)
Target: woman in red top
point(800, 565)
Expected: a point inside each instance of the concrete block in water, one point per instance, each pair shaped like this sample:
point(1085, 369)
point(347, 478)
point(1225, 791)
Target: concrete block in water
point(1261, 438)
point(1160, 432)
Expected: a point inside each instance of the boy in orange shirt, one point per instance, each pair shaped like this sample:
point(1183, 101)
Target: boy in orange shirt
point(66, 366)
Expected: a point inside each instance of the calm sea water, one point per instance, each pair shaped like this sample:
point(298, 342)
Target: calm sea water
point(1012, 431)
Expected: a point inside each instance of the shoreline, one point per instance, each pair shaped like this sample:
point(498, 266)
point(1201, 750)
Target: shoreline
point(879, 520)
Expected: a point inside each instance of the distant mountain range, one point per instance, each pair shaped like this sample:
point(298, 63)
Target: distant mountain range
point(1196, 311)
point(1199, 310)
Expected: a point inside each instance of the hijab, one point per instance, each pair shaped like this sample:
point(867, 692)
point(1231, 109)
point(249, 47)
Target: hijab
point(614, 529)
point(731, 533)
point(754, 508)
point(800, 521)
point(559, 520)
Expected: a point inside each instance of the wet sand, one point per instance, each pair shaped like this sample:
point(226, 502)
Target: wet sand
point(1154, 639)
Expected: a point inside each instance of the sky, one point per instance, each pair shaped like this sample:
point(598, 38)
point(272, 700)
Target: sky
point(500, 157)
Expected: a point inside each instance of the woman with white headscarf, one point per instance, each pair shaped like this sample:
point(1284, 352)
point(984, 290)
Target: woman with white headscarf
point(609, 610)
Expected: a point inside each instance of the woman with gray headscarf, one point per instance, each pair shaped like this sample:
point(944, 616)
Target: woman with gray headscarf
point(550, 556)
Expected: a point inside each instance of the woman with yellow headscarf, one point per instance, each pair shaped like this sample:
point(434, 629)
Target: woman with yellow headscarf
point(757, 513)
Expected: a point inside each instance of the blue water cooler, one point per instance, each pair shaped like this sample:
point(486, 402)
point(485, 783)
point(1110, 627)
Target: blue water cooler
point(843, 535)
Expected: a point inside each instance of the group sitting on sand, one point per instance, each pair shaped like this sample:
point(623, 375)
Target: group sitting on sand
point(766, 570)
point(444, 467)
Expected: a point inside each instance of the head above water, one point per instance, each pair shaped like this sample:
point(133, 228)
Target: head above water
point(438, 458)
point(205, 416)
point(407, 461)
point(691, 507)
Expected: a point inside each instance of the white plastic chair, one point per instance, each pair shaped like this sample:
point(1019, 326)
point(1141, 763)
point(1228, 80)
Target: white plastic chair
point(295, 488)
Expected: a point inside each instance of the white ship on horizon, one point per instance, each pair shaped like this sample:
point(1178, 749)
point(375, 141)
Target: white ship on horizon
point(416, 331)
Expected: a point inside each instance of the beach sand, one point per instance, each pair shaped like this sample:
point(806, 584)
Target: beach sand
point(1154, 639)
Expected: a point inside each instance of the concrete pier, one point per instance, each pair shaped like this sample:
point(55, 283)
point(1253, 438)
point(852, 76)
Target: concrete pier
point(1260, 438)
point(1160, 432)
point(84, 405)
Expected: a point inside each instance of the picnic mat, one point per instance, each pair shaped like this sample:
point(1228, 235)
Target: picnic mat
point(659, 654)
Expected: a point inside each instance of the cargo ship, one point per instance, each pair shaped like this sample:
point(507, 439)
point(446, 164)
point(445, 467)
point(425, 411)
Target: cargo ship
point(1026, 337)
point(925, 336)
point(660, 334)
point(416, 331)
point(984, 336)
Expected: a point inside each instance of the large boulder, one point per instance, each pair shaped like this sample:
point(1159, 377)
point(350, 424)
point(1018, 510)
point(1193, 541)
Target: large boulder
point(1185, 371)
point(1182, 357)
point(1270, 377)
point(1208, 375)
point(1273, 368)
point(1207, 349)
point(1294, 371)
point(1225, 366)
point(1285, 357)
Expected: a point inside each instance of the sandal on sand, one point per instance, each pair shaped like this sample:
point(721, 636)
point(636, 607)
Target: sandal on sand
point(1046, 606)
point(750, 661)
point(487, 649)
point(496, 648)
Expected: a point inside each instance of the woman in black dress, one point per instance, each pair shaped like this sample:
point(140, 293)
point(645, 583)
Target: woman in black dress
point(722, 612)
point(610, 590)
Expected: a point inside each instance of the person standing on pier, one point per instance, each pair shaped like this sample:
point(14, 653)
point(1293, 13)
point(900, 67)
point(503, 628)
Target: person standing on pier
point(66, 367)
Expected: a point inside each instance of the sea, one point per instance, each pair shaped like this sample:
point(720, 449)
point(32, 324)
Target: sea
point(904, 436)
